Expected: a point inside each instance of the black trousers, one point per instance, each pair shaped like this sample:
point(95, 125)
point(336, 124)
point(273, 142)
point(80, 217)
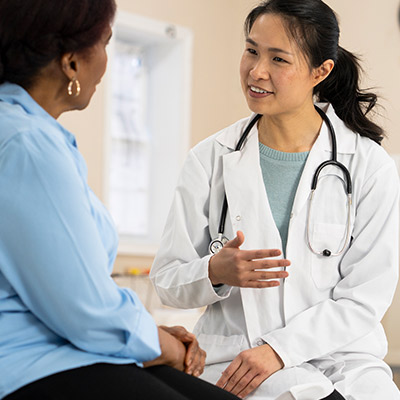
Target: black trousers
point(111, 381)
point(334, 396)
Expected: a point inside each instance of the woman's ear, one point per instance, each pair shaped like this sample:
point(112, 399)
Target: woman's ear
point(322, 72)
point(69, 65)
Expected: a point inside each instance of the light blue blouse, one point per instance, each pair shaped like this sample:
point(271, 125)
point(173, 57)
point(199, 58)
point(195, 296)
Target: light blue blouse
point(59, 307)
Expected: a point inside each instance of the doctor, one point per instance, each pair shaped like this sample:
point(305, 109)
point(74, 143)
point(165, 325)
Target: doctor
point(295, 297)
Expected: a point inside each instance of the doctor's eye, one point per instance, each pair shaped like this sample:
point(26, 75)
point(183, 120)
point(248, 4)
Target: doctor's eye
point(279, 60)
point(251, 51)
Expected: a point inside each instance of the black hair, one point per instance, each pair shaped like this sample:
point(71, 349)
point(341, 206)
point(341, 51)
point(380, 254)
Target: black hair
point(314, 27)
point(35, 32)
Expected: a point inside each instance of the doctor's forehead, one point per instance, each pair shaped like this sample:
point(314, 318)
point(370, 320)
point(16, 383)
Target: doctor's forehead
point(271, 32)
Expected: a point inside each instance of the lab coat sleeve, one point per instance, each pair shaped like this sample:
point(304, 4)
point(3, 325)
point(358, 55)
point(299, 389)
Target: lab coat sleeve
point(52, 254)
point(369, 272)
point(180, 269)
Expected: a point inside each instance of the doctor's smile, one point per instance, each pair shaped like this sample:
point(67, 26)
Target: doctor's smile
point(257, 92)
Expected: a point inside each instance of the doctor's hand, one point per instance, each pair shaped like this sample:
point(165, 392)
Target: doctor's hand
point(249, 370)
point(195, 357)
point(246, 268)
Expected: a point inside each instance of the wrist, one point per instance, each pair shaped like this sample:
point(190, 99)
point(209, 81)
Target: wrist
point(276, 356)
point(214, 280)
point(173, 350)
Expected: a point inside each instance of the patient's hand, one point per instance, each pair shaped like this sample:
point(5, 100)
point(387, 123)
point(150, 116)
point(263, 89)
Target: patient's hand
point(195, 356)
point(173, 352)
point(249, 370)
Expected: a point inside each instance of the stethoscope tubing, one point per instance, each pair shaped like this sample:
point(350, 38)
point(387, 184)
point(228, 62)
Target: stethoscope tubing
point(333, 161)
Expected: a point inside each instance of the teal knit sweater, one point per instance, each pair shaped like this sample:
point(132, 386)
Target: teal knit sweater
point(281, 173)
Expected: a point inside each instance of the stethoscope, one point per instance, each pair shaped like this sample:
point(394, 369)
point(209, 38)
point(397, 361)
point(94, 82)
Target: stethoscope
point(218, 243)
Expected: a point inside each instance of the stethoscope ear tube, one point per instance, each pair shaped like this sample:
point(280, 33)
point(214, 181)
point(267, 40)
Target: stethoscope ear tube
point(247, 131)
point(349, 186)
point(333, 160)
point(349, 190)
point(224, 211)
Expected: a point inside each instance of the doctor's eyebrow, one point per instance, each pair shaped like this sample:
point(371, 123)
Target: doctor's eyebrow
point(270, 49)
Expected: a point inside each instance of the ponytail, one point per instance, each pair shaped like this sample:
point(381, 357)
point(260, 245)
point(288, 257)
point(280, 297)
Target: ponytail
point(351, 104)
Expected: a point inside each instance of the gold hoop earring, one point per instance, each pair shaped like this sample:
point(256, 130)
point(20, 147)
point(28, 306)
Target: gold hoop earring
point(70, 86)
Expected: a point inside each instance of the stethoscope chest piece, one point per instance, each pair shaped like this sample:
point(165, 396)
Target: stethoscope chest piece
point(326, 253)
point(217, 244)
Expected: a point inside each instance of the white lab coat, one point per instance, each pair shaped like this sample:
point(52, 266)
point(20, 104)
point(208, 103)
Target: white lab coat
point(324, 319)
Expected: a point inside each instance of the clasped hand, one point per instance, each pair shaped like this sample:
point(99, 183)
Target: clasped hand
point(246, 268)
point(179, 349)
point(195, 357)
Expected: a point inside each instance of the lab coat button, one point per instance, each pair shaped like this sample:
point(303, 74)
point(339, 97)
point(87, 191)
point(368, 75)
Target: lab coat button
point(238, 217)
point(259, 342)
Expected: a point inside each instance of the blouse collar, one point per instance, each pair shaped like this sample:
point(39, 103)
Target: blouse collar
point(14, 94)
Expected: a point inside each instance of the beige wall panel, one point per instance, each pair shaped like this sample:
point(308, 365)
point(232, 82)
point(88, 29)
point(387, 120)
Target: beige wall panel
point(369, 28)
point(217, 29)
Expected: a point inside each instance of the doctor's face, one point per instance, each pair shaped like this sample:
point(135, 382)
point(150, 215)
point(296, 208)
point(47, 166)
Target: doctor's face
point(275, 76)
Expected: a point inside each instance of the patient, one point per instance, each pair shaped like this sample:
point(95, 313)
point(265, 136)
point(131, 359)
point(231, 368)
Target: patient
point(67, 331)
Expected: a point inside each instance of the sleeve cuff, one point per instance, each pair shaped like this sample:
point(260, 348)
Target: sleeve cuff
point(143, 344)
point(287, 361)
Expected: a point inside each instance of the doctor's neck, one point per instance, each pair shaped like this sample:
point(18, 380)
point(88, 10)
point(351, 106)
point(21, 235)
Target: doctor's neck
point(293, 132)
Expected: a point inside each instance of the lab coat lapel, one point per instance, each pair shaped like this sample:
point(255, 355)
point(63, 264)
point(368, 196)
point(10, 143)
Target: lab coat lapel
point(250, 212)
point(249, 209)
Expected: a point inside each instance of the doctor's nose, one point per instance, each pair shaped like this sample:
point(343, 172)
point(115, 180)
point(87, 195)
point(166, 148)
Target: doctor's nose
point(259, 71)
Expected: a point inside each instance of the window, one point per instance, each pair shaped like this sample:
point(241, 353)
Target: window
point(148, 118)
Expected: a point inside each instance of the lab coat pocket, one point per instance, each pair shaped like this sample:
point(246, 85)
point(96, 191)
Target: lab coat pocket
point(325, 270)
point(220, 348)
